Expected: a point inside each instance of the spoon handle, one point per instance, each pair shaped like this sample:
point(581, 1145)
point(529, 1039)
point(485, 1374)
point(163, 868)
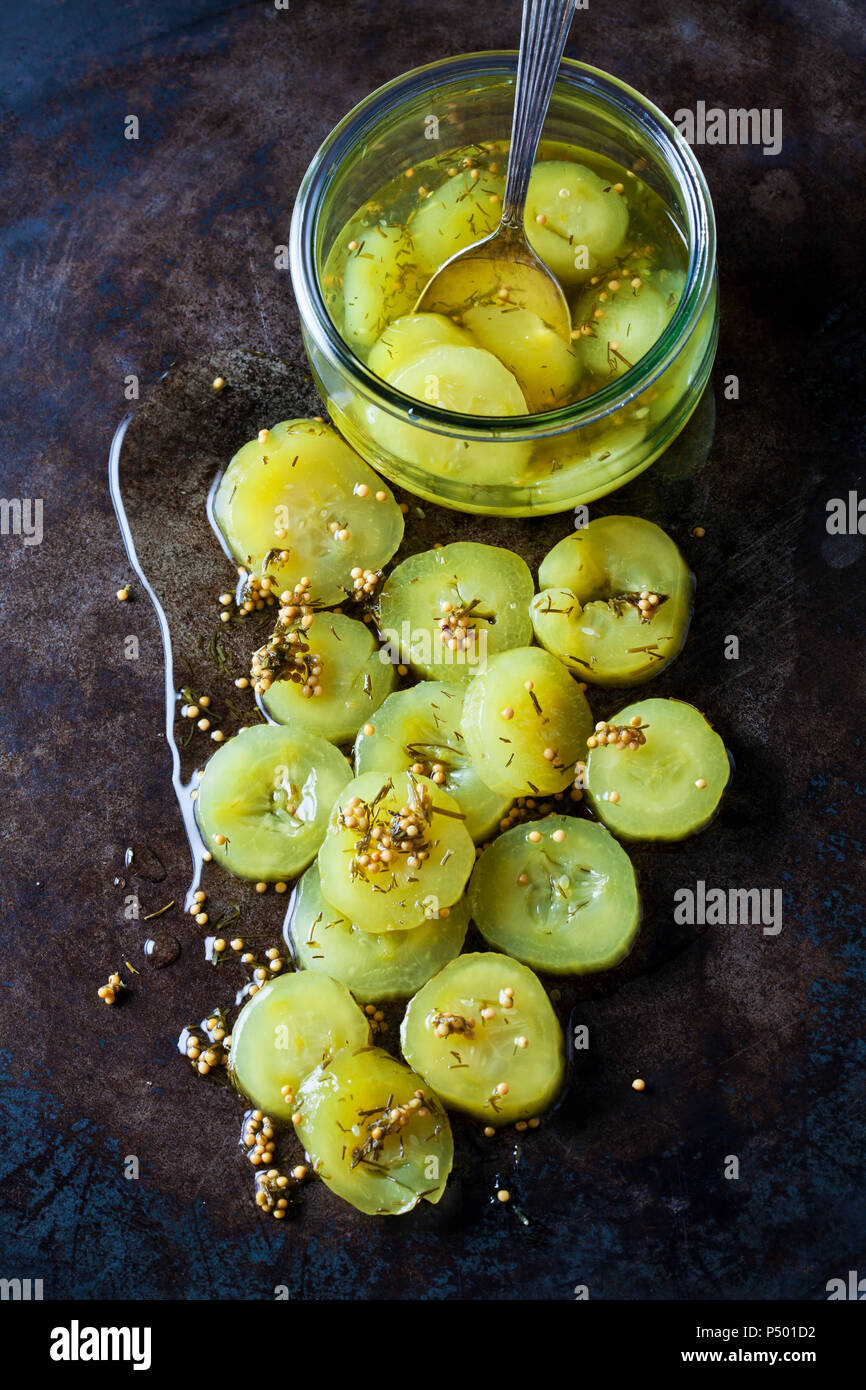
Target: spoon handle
point(542, 42)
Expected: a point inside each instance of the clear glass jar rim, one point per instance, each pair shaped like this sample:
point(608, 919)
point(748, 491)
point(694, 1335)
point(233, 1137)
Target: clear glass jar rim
point(673, 152)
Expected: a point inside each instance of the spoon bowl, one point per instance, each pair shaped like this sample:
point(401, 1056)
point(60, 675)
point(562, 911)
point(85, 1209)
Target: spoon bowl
point(502, 270)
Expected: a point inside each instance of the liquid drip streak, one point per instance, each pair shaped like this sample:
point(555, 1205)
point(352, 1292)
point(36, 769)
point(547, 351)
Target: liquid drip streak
point(182, 789)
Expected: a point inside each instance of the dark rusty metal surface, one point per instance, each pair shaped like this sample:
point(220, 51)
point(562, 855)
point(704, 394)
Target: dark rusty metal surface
point(122, 255)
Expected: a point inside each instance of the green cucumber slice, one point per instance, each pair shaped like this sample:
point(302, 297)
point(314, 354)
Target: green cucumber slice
point(264, 800)
point(354, 682)
point(468, 1065)
point(547, 371)
point(566, 905)
point(468, 381)
point(585, 219)
point(656, 784)
point(588, 612)
point(485, 586)
point(460, 211)
point(382, 281)
point(424, 872)
point(523, 708)
point(420, 728)
point(284, 495)
point(623, 326)
point(285, 1031)
point(408, 337)
point(363, 1094)
point(391, 966)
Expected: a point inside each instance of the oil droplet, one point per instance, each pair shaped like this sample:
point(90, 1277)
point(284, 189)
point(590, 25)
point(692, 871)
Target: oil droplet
point(160, 951)
point(145, 863)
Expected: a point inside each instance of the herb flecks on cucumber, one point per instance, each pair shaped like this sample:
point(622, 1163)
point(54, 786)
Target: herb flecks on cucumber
point(615, 601)
point(376, 1133)
point(419, 730)
point(396, 847)
point(525, 722)
point(390, 965)
point(509, 1064)
point(335, 682)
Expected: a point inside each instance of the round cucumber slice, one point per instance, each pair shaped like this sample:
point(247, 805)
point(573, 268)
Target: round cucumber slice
point(264, 800)
point(503, 1066)
point(391, 966)
point(462, 378)
point(467, 380)
point(526, 722)
point(396, 850)
point(447, 611)
point(354, 681)
point(420, 729)
point(547, 371)
point(382, 281)
point(284, 1032)
point(459, 212)
point(559, 895)
point(670, 786)
point(593, 584)
point(408, 337)
point(624, 326)
point(375, 1134)
point(583, 220)
point(286, 494)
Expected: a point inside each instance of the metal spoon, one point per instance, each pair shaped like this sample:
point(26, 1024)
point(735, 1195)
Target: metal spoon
point(503, 267)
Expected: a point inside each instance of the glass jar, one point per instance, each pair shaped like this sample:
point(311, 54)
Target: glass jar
point(569, 455)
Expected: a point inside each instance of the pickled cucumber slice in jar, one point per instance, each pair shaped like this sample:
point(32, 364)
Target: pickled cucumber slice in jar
point(623, 327)
point(382, 280)
point(466, 380)
point(484, 1035)
point(408, 337)
point(526, 722)
point(667, 788)
point(304, 494)
point(559, 895)
point(396, 850)
point(419, 729)
point(375, 1133)
point(374, 967)
point(459, 212)
point(615, 601)
point(447, 611)
point(574, 220)
point(264, 800)
point(291, 1026)
point(547, 371)
point(353, 680)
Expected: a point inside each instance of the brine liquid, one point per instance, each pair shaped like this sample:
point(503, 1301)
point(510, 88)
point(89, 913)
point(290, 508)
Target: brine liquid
point(651, 252)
